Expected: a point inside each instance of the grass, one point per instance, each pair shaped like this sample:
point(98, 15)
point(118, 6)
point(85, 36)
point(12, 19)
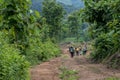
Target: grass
point(112, 78)
point(67, 74)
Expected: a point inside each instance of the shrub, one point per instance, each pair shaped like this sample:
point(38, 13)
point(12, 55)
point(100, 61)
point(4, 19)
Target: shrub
point(107, 50)
point(67, 74)
point(4, 37)
point(39, 51)
point(103, 47)
point(114, 61)
point(12, 65)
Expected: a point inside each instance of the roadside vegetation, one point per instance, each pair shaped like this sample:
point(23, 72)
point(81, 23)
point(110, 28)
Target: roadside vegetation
point(67, 74)
point(24, 39)
point(112, 78)
point(104, 30)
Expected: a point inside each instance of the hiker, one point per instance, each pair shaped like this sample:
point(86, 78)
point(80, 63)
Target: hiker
point(77, 51)
point(71, 50)
point(84, 49)
point(80, 50)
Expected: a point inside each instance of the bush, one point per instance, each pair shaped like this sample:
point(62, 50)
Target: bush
point(4, 39)
point(114, 61)
point(103, 47)
point(67, 74)
point(41, 51)
point(12, 65)
point(107, 50)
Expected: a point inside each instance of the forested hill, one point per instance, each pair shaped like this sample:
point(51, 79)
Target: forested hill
point(69, 5)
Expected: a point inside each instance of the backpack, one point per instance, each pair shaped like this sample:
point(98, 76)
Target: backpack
point(71, 49)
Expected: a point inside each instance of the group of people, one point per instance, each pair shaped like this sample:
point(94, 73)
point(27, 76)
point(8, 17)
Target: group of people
point(77, 50)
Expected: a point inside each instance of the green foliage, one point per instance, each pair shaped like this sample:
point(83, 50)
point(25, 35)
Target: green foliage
point(112, 78)
point(114, 63)
point(4, 38)
point(74, 28)
point(103, 18)
point(67, 74)
point(73, 39)
point(53, 13)
point(103, 50)
point(97, 14)
point(13, 66)
point(15, 19)
point(41, 51)
point(14, 15)
point(73, 24)
point(22, 32)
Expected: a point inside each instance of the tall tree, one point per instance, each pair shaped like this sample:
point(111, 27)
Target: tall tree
point(103, 18)
point(53, 12)
point(15, 18)
point(74, 25)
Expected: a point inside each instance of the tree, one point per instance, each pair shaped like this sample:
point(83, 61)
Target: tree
point(25, 30)
point(103, 18)
point(15, 18)
point(76, 27)
point(53, 12)
point(73, 25)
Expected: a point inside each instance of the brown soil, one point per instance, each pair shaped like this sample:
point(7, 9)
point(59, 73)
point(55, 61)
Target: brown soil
point(86, 70)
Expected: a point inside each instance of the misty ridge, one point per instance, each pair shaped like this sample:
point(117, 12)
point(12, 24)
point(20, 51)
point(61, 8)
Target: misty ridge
point(68, 5)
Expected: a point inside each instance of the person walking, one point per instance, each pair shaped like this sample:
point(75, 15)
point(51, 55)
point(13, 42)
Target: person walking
point(71, 50)
point(80, 50)
point(84, 49)
point(77, 51)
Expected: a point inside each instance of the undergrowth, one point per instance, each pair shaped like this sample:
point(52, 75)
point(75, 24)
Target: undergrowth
point(67, 74)
point(112, 78)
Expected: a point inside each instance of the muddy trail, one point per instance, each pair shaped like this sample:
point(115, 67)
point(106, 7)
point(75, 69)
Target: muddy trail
point(86, 70)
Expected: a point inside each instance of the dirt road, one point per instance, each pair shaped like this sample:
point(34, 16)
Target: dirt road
point(86, 70)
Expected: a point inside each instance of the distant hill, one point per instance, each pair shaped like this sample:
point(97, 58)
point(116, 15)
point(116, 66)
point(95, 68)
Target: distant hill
point(69, 5)
point(74, 3)
point(66, 2)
